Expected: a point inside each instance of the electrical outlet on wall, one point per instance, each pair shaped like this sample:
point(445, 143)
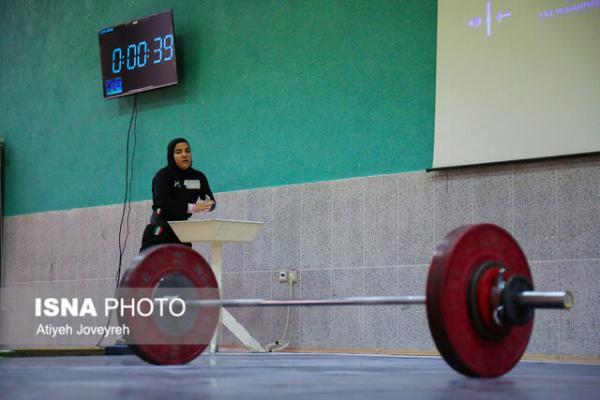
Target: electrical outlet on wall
point(293, 276)
point(290, 276)
point(283, 276)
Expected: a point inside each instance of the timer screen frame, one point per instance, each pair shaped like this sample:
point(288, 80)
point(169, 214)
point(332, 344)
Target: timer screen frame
point(138, 55)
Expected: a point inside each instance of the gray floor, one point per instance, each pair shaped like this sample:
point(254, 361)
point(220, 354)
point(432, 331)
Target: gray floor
point(286, 376)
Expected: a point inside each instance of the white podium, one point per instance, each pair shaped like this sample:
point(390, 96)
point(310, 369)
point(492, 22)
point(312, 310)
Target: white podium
point(217, 232)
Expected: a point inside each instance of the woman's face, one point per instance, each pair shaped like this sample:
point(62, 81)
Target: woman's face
point(182, 155)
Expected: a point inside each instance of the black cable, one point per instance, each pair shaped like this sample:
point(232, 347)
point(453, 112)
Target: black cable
point(130, 180)
point(126, 200)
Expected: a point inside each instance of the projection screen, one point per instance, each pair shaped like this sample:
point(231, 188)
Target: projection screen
point(516, 80)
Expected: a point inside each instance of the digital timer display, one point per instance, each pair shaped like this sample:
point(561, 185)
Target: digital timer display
point(138, 55)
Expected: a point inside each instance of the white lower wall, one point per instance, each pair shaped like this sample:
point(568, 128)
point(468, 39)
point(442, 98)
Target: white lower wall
point(363, 236)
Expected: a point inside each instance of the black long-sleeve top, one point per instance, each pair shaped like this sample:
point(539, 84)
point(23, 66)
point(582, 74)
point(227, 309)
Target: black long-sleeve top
point(173, 189)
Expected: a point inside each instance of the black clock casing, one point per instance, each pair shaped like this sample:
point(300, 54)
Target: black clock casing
point(138, 55)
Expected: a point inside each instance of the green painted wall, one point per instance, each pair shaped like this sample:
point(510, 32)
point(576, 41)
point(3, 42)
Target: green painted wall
point(271, 92)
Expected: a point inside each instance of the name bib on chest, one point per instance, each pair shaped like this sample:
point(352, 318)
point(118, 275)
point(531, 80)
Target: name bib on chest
point(192, 183)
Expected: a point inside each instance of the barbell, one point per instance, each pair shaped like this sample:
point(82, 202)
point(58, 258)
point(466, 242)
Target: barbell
point(480, 302)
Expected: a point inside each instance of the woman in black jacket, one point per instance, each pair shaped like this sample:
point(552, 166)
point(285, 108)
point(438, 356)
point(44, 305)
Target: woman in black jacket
point(178, 190)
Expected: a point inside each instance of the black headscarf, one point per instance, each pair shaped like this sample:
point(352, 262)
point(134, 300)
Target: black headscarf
point(171, 149)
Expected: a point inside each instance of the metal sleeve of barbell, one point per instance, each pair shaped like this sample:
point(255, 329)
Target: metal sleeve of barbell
point(336, 301)
point(561, 300)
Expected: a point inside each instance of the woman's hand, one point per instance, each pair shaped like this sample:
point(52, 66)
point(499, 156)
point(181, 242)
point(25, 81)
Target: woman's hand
point(204, 205)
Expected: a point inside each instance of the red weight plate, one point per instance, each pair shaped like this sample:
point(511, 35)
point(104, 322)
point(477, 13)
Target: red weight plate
point(455, 261)
point(146, 338)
